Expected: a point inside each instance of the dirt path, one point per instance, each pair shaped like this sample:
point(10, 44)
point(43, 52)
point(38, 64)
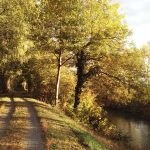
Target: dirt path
point(19, 125)
point(6, 115)
point(33, 139)
point(24, 129)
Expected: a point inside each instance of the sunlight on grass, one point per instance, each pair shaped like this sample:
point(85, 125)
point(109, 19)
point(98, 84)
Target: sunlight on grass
point(88, 140)
point(61, 132)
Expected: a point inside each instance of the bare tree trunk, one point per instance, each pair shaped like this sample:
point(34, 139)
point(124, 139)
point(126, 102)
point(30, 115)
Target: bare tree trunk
point(58, 79)
point(80, 77)
point(3, 84)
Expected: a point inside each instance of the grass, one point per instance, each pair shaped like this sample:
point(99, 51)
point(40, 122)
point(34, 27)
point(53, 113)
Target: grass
point(88, 140)
point(62, 133)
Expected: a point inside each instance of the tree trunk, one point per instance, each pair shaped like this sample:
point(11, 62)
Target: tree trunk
point(80, 77)
point(29, 83)
point(58, 79)
point(3, 84)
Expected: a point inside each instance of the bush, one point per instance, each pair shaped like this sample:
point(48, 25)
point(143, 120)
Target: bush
point(94, 116)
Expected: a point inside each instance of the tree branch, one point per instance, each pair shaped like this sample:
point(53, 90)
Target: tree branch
point(92, 40)
point(67, 60)
point(56, 56)
point(2, 11)
point(111, 76)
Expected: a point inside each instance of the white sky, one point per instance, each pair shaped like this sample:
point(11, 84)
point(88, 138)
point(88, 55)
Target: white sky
point(138, 18)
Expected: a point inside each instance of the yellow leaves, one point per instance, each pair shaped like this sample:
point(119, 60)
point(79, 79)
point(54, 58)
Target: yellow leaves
point(87, 98)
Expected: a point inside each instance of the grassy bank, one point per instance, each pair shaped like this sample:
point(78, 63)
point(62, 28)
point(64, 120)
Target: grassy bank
point(61, 132)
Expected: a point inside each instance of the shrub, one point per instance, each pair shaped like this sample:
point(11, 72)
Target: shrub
point(95, 116)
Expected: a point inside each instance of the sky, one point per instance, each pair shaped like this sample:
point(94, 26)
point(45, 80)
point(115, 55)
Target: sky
point(137, 15)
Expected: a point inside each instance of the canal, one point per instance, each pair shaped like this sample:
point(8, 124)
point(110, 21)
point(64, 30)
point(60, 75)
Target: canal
point(138, 130)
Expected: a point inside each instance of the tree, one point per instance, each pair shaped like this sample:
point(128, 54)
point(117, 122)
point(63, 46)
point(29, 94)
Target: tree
point(14, 29)
point(53, 32)
point(102, 33)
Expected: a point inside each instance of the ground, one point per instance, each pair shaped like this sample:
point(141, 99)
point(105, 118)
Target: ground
point(28, 124)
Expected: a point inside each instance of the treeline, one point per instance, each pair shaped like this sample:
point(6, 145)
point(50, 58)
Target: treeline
point(74, 54)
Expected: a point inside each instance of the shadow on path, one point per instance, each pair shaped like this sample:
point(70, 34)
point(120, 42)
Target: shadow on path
point(6, 117)
point(34, 134)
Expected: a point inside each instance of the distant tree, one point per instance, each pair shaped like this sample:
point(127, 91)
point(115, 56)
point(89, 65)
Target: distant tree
point(14, 29)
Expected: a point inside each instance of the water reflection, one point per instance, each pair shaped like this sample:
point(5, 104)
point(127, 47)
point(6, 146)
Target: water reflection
point(137, 130)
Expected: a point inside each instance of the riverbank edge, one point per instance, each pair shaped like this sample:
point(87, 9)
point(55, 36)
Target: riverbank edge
point(137, 110)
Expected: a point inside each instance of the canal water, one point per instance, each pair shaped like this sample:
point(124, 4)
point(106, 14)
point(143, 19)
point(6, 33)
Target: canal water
point(138, 130)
